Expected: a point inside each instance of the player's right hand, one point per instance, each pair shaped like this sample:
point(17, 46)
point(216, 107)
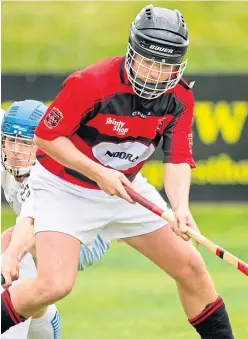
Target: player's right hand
point(111, 182)
point(9, 268)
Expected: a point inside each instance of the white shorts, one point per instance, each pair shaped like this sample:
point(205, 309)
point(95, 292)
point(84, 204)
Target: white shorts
point(83, 213)
point(27, 269)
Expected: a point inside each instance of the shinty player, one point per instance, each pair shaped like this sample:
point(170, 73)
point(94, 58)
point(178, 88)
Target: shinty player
point(18, 158)
point(96, 135)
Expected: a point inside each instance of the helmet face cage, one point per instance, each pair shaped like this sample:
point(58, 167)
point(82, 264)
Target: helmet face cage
point(18, 154)
point(139, 74)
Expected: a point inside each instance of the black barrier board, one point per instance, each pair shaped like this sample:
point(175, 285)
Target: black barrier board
point(220, 131)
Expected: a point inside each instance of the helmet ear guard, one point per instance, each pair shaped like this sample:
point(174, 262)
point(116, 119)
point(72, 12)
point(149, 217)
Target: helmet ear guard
point(158, 36)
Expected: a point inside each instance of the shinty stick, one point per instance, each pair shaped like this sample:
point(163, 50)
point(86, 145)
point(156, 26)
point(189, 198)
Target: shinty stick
point(169, 216)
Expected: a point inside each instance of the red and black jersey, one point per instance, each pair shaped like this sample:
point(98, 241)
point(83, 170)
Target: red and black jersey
point(102, 116)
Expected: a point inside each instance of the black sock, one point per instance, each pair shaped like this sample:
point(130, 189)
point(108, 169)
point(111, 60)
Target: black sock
point(9, 315)
point(213, 322)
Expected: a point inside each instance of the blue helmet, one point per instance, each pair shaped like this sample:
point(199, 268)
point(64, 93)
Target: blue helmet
point(18, 125)
point(22, 117)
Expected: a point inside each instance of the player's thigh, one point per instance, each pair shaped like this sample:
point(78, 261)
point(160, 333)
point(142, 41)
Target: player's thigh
point(57, 258)
point(175, 256)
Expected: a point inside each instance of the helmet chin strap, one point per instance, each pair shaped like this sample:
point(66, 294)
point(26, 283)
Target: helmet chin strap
point(17, 172)
point(139, 88)
point(22, 175)
point(149, 85)
point(150, 88)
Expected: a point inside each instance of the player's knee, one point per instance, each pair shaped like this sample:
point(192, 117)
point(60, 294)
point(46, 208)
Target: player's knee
point(191, 268)
point(61, 288)
point(54, 289)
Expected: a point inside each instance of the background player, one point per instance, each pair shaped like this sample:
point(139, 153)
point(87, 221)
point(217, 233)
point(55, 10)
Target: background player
point(18, 157)
point(102, 145)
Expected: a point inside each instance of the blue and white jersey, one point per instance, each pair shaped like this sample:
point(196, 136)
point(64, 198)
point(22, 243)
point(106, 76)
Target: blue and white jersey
point(10, 188)
point(19, 195)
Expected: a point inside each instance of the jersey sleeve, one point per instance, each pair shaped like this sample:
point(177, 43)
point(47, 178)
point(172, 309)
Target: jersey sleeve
point(4, 185)
point(63, 116)
point(10, 188)
point(3, 177)
point(177, 136)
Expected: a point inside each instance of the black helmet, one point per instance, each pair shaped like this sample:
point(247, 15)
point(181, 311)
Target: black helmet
point(158, 35)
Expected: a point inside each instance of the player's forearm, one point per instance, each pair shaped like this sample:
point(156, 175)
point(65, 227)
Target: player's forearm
point(64, 152)
point(22, 237)
point(177, 184)
point(6, 238)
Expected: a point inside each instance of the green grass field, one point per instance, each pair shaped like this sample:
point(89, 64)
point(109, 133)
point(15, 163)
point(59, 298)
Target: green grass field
point(67, 35)
point(126, 296)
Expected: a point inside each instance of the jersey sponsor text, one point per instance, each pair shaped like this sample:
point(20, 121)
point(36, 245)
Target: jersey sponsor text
point(122, 155)
point(118, 126)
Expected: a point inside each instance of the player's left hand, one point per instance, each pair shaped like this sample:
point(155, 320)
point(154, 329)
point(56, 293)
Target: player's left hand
point(183, 219)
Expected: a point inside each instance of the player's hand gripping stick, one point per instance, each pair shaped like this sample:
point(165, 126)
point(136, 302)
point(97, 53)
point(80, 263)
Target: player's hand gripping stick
point(169, 216)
